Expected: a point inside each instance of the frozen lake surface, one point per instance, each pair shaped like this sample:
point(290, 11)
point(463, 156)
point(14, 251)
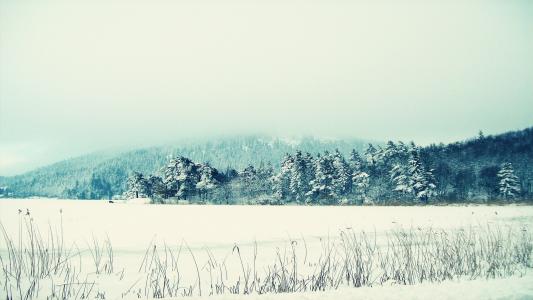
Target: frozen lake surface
point(215, 230)
point(133, 226)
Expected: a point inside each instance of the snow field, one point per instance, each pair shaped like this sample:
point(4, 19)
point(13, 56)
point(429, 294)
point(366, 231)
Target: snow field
point(232, 240)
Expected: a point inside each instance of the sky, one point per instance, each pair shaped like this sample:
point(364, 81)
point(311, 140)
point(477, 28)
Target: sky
point(81, 76)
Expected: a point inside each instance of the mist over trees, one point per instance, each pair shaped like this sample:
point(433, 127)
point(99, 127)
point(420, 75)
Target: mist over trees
point(311, 172)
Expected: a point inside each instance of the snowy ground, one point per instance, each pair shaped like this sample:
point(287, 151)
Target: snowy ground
point(504, 288)
point(215, 230)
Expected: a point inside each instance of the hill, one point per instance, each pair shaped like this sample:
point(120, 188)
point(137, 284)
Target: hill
point(79, 177)
point(466, 170)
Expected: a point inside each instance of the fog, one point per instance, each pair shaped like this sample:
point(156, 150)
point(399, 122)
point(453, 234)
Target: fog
point(80, 77)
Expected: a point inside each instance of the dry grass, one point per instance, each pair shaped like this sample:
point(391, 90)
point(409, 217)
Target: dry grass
point(35, 261)
point(42, 266)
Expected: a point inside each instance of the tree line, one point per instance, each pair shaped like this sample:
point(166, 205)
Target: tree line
point(393, 173)
point(102, 175)
point(461, 171)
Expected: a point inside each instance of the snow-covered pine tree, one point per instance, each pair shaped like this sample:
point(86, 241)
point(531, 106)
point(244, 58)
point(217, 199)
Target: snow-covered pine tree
point(402, 149)
point(207, 181)
point(281, 181)
point(379, 156)
point(310, 169)
point(264, 178)
point(137, 186)
point(402, 153)
point(424, 187)
point(342, 179)
point(370, 155)
point(299, 177)
point(180, 177)
point(398, 157)
point(361, 182)
point(509, 184)
point(415, 172)
point(170, 173)
point(296, 176)
point(431, 190)
point(248, 182)
point(399, 177)
point(186, 184)
point(356, 162)
point(322, 190)
point(156, 187)
point(391, 151)
point(419, 180)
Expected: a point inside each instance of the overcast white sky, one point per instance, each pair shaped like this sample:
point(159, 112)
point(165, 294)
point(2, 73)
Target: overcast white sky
point(80, 76)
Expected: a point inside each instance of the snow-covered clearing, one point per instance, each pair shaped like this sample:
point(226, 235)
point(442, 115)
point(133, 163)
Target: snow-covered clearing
point(188, 242)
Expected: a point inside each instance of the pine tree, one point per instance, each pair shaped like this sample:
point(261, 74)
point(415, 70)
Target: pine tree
point(207, 181)
point(342, 179)
point(156, 187)
point(136, 186)
point(281, 181)
point(248, 182)
point(420, 182)
point(296, 177)
point(390, 151)
point(402, 150)
point(170, 173)
point(356, 162)
point(509, 183)
point(428, 189)
point(310, 169)
point(180, 177)
point(397, 161)
point(361, 182)
point(400, 179)
point(264, 178)
point(322, 190)
point(299, 181)
point(186, 183)
point(379, 158)
point(370, 155)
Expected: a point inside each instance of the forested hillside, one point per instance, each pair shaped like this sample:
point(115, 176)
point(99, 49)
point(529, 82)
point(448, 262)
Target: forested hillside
point(482, 169)
point(468, 170)
point(259, 169)
point(102, 175)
